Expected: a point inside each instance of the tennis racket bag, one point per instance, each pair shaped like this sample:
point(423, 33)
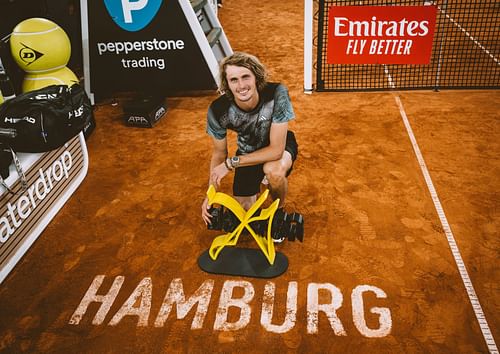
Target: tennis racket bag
point(45, 119)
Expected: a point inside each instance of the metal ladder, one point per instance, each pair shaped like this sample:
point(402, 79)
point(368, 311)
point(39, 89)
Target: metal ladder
point(208, 32)
point(212, 28)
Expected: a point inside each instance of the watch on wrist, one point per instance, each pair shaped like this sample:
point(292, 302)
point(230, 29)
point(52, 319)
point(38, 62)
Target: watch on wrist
point(235, 161)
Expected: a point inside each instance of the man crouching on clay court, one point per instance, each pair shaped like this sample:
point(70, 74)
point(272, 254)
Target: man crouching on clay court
point(259, 112)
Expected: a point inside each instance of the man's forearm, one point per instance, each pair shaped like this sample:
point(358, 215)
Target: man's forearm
point(215, 161)
point(265, 154)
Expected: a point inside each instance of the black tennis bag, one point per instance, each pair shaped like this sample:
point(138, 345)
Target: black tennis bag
point(45, 119)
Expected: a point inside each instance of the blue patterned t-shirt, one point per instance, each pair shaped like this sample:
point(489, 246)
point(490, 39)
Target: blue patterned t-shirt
point(252, 127)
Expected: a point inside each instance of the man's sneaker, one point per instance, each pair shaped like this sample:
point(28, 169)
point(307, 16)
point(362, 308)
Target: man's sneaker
point(279, 221)
point(279, 240)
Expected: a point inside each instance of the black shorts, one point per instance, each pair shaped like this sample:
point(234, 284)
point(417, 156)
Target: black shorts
point(247, 179)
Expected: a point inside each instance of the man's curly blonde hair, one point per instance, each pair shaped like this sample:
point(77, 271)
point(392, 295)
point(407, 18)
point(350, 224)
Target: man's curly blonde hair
point(244, 60)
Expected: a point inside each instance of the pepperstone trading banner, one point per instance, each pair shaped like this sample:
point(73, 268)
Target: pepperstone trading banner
point(380, 34)
point(145, 45)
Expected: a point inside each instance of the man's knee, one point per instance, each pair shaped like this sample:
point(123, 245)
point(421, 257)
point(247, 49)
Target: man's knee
point(275, 173)
point(246, 202)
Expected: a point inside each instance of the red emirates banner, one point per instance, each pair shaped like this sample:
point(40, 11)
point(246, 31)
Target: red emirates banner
point(380, 34)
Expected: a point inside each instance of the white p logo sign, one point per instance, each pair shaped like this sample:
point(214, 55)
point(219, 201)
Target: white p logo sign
point(129, 6)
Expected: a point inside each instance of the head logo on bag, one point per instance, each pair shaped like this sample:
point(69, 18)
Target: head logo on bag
point(132, 15)
point(14, 120)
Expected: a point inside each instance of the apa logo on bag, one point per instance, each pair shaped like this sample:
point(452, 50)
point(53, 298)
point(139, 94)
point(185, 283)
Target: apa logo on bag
point(136, 120)
point(159, 113)
point(132, 15)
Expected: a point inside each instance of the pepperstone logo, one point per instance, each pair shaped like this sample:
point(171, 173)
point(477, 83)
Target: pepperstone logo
point(130, 15)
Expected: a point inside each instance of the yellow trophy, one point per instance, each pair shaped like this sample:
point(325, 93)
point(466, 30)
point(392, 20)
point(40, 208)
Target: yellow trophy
point(264, 262)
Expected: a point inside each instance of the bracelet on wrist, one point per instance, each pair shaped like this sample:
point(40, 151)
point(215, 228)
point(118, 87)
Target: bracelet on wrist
point(228, 166)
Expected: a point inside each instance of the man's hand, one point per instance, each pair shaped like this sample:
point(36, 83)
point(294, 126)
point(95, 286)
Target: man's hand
point(204, 212)
point(218, 173)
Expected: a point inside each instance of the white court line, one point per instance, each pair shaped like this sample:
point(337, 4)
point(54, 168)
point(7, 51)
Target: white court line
point(476, 42)
point(476, 306)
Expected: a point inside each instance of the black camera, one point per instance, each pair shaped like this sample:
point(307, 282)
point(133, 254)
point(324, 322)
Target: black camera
point(284, 226)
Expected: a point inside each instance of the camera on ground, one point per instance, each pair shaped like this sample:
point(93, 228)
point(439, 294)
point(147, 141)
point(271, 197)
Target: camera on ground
point(285, 225)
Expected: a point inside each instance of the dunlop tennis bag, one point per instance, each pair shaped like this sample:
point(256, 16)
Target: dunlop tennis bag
point(45, 119)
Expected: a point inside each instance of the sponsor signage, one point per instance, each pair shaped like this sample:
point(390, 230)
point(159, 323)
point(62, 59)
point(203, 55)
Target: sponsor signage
point(380, 34)
point(143, 45)
point(52, 178)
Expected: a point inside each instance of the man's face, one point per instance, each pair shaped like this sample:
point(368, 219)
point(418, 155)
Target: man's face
point(241, 82)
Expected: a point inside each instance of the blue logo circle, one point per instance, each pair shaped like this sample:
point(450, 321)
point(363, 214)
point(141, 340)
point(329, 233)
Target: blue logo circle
point(132, 15)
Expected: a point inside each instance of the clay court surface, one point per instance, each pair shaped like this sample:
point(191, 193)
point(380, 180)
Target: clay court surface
point(370, 223)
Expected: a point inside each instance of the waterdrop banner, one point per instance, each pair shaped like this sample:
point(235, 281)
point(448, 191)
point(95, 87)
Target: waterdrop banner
point(380, 34)
point(143, 45)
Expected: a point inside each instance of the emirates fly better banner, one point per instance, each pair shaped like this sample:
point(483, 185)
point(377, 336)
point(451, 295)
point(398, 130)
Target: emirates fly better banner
point(380, 34)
